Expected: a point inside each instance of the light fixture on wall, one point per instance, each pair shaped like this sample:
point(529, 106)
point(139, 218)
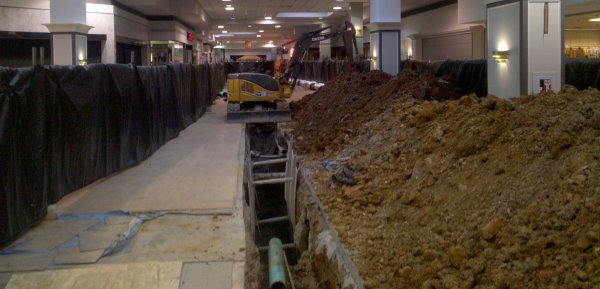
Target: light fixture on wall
point(500, 56)
point(597, 19)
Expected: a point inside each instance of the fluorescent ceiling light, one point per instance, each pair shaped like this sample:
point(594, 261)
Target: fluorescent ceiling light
point(277, 26)
point(337, 8)
point(224, 35)
point(228, 41)
point(224, 31)
point(220, 46)
point(261, 31)
point(268, 17)
point(258, 35)
point(229, 8)
point(303, 14)
point(595, 19)
point(267, 22)
point(249, 26)
point(243, 33)
point(220, 26)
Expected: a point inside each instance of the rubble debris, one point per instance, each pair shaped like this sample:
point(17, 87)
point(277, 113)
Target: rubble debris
point(462, 193)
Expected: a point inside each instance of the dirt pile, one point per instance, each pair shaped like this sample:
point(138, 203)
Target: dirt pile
point(468, 193)
point(333, 114)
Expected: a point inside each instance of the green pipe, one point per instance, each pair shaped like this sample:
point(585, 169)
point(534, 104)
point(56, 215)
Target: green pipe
point(276, 265)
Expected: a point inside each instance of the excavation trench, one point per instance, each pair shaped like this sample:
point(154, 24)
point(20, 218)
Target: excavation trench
point(281, 203)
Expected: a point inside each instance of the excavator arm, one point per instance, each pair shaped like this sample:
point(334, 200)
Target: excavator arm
point(303, 43)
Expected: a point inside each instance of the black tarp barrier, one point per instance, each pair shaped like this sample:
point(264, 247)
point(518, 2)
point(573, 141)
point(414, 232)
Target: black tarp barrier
point(64, 127)
point(323, 71)
point(582, 73)
point(469, 75)
point(264, 67)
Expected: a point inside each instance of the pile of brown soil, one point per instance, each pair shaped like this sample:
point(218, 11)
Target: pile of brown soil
point(333, 114)
point(468, 193)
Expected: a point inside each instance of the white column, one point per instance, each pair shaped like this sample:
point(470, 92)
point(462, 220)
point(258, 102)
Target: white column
point(385, 36)
point(69, 31)
point(503, 35)
point(544, 46)
point(530, 33)
point(356, 18)
point(325, 46)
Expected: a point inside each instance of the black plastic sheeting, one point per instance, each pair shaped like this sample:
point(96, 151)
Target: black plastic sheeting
point(64, 127)
point(582, 73)
point(323, 71)
point(469, 75)
point(264, 67)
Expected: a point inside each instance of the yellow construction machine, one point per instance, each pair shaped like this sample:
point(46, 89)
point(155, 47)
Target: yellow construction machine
point(256, 97)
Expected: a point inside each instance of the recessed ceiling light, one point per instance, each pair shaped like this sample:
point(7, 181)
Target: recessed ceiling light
point(224, 31)
point(337, 8)
point(217, 36)
point(228, 41)
point(268, 17)
point(277, 26)
point(261, 31)
point(595, 19)
point(229, 8)
point(249, 26)
point(220, 26)
point(303, 14)
point(258, 35)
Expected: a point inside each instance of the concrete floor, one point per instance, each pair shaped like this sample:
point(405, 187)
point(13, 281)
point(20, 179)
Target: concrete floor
point(195, 179)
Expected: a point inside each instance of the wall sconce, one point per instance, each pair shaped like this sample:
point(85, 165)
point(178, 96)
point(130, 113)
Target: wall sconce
point(500, 56)
point(82, 61)
point(373, 59)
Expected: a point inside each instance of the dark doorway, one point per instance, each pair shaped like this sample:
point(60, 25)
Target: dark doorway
point(129, 53)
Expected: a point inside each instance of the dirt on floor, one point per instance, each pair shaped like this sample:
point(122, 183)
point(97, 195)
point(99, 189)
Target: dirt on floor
point(463, 193)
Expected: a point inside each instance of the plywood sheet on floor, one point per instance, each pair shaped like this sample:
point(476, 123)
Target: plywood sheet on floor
point(186, 238)
point(4, 278)
point(164, 275)
point(101, 237)
point(206, 275)
point(72, 256)
point(25, 262)
point(50, 234)
point(195, 171)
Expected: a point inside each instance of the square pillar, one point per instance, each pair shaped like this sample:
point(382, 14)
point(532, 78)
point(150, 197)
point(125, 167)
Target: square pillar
point(69, 43)
point(386, 48)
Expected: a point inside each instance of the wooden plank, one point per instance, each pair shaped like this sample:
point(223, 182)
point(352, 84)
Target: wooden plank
point(4, 278)
point(100, 238)
point(25, 262)
point(206, 275)
point(151, 275)
point(73, 256)
point(50, 234)
point(118, 220)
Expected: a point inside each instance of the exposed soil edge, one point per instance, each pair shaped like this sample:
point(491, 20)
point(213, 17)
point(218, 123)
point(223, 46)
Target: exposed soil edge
point(331, 262)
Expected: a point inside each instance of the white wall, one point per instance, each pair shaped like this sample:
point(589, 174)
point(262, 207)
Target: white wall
point(102, 18)
point(504, 79)
point(471, 11)
point(24, 19)
point(168, 31)
point(436, 21)
point(385, 11)
point(544, 50)
point(131, 26)
point(582, 38)
point(271, 55)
